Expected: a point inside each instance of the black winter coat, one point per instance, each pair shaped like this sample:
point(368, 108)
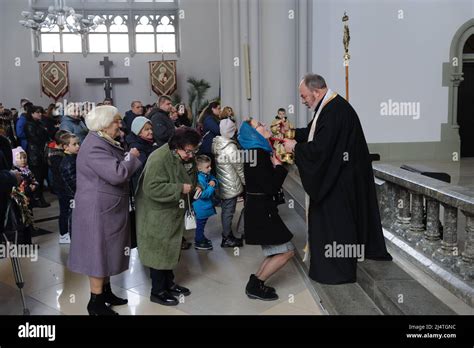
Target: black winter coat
point(67, 169)
point(37, 137)
point(7, 179)
point(163, 127)
point(54, 162)
point(263, 225)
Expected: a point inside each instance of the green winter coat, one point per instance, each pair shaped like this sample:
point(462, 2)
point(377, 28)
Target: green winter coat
point(160, 207)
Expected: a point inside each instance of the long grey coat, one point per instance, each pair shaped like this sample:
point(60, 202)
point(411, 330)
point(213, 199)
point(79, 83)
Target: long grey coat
point(100, 217)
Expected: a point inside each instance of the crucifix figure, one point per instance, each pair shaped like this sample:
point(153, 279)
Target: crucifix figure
point(107, 80)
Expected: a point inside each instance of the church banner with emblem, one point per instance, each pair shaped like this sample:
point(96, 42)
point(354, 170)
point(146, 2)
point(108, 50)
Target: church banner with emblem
point(54, 78)
point(163, 77)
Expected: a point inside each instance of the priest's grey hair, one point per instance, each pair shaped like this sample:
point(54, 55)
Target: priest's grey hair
point(101, 117)
point(314, 81)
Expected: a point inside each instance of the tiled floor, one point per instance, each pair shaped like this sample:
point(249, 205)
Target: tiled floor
point(217, 280)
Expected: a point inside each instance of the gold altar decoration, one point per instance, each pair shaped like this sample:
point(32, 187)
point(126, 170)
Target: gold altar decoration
point(282, 129)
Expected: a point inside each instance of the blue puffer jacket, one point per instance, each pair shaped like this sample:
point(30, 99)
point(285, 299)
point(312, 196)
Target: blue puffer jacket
point(204, 207)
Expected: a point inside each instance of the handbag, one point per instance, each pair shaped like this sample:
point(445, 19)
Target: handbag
point(189, 217)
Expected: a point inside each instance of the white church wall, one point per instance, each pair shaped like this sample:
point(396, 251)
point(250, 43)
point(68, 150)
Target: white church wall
point(397, 50)
point(199, 57)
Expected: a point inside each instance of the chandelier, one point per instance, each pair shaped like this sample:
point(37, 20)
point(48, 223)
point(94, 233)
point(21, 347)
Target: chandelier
point(61, 16)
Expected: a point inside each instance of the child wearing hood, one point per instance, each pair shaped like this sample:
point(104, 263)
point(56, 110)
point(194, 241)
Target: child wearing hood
point(20, 162)
point(23, 194)
point(230, 173)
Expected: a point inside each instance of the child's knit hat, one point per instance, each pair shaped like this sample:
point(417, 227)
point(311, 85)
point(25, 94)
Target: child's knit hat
point(15, 152)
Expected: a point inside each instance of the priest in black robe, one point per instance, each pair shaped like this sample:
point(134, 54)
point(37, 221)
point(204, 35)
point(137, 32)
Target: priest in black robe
point(336, 173)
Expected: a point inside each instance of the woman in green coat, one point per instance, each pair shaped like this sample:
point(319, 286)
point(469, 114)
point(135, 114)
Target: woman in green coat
point(161, 202)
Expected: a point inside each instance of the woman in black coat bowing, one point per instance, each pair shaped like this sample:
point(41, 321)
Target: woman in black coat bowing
point(263, 226)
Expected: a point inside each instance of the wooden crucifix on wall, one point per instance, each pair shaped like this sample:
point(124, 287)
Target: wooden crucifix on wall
point(107, 80)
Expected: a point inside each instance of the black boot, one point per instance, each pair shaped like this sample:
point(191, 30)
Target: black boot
point(255, 289)
point(97, 306)
point(262, 284)
point(111, 299)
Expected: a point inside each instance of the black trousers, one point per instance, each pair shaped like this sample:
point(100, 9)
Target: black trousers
point(65, 213)
point(161, 280)
point(40, 172)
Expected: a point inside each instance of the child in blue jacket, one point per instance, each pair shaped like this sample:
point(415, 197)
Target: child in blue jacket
point(204, 205)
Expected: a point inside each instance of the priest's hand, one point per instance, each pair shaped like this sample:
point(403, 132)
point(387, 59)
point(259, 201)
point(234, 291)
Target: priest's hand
point(289, 145)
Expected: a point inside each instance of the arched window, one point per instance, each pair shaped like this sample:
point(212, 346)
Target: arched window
point(119, 34)
point(98, 38)
point(130, 26)
point(145, 34)
point(155, 33)
point(166, 34)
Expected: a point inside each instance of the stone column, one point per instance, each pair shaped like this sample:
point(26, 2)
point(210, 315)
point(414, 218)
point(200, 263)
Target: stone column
point(431, 239)
point(465, 266)
point(448, 253)
point(403, 217)
point(386, 194)
point(415, 232)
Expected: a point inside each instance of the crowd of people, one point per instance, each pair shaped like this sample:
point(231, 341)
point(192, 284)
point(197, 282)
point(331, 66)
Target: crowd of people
point(100, 165)
point(150, 176)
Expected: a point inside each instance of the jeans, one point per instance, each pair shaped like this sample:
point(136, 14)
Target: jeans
point(200, 224)
point(228, 210)
point(161, 280)
point(65, 213)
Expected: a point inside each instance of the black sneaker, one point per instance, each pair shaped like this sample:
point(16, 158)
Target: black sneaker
point(203, 245)
point(230, 242)
point(239, 241)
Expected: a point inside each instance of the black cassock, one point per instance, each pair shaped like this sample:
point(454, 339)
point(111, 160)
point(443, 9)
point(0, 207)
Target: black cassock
point(336, 173)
